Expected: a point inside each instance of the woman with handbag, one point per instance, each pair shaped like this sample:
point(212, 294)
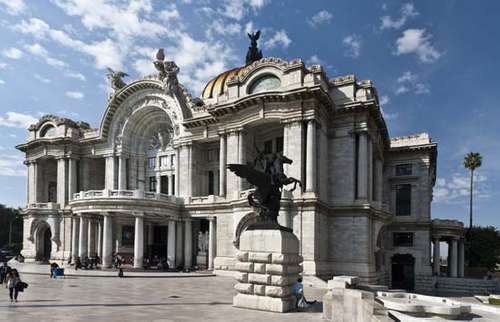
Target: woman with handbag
point(12, 281)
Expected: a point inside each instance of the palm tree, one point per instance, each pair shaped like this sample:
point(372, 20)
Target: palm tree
point(472, 161)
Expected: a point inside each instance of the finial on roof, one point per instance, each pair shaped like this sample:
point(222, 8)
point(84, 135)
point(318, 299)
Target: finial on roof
point(253, 53)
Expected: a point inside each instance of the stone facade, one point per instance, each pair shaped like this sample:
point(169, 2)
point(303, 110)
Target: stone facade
point(153, 175)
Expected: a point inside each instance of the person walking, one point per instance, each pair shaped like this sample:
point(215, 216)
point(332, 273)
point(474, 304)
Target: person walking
point(12, 281)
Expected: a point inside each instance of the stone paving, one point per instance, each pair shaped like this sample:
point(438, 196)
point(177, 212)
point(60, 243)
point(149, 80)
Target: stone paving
point(204, 298)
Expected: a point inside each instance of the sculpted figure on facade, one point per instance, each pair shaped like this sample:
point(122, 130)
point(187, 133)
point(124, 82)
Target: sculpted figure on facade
point(116, 79)
point(202, 241)
point(168, 73)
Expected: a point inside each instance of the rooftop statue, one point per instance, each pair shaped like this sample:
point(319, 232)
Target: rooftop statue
point(253, 53)
point(168, 72)
point(116, 79)
point(268, 177)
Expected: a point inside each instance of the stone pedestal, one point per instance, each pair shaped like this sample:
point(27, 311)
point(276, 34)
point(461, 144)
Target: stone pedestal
point(202, 259)
point(268, 266)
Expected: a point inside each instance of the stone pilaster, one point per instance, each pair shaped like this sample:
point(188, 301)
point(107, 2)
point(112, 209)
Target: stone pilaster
point(122, 173)
point(72, 175)
point(110, 173)
point(363, 166)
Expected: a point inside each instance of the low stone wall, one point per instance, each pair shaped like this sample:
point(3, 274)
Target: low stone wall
point(455, 286)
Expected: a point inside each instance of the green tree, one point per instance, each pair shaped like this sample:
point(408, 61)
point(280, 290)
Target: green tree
point(472, 161)
point(486, 250)
point(11, 227)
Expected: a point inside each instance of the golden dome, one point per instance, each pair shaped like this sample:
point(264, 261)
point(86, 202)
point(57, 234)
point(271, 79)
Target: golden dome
point(218, 85)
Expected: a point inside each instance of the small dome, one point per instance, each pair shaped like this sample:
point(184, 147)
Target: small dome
point(218, 85)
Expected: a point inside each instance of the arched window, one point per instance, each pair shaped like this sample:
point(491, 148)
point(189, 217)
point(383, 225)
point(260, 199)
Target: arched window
point(48, 131)
point(264, 83)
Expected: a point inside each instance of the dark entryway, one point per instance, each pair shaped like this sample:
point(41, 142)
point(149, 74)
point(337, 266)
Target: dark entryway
point(403, 272)
point(159, 247)
point(43, 243)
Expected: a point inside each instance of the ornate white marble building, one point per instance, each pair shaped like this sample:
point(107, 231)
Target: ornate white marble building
point(152, 178)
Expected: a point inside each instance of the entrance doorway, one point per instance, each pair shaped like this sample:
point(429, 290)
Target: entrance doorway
point(160, 237)
point(44, 243)
point(403, 272)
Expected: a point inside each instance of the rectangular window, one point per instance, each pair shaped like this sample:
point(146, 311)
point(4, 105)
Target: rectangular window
point(279, 144)
point(152, 184)
point(403, 200)
point(164, 185)
point(172, 177)
point(151, 163)
point(163, 161)
point(404, 169)
point(402, 239)
point(172, 162)
point(211, 183)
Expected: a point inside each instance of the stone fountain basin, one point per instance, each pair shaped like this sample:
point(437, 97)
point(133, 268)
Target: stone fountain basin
point(416, 303)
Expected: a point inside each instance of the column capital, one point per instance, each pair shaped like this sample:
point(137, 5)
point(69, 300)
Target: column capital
point(138, 214)
point(211, 218)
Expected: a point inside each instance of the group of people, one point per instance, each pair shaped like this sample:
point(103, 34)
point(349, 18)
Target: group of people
point(10, 276)
point(87, 263)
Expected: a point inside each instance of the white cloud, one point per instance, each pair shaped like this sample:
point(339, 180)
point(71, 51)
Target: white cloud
point(75, 75)
point(2, 82)
point(415, 41)
point(353, 44)
point(409, 81)
point(169, 14)
point(280, 38)
point(3, 65)
point(421, 88)
point(315, 60)
point(407, 77)
point(40, 51)
point(218, 27)
point(13, 7)
point(322, 17)
point(12, 165)
point(236, 9)
point(384, 100)
point(12, 53)
point(457, 188)
point(74, 94)
point(407, 11)
point(42, 79)
point(17, 120)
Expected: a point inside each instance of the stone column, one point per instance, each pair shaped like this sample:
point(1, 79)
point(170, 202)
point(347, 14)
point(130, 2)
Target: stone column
point(436, 260)
point(110, 173)
point(222, 165)
point(241, 157)
point(91, 238)
point(363, 166)
point(158, 182)
point(452, 264)
point(61, 182)
point(461, 258)
point(177, 173)
point(311, 156)
point(74, 238)
point(211, 243)
point(83, 240)
point(188, 244)
point(170, 185)
point(141, 174)
point(122, 173)
point(139, 241)
point(32, 182)
point(171, 244)
point(71, 178)
point(99, 238)
point(107, 243)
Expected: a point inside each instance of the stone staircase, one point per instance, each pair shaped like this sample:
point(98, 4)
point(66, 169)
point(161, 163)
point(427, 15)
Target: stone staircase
point(455, 286)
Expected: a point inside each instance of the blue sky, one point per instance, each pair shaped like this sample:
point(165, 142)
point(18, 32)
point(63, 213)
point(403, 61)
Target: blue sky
point(434, 63)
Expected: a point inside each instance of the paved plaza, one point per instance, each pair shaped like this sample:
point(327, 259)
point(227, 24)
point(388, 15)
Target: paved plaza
point(77, 298)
